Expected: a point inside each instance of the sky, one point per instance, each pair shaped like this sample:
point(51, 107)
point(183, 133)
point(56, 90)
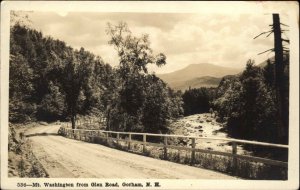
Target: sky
point(185, 38)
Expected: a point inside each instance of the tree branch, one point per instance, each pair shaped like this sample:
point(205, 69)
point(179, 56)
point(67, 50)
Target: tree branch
point(285, 40)
point(263, 33)
point(269, 34)
point(284, 25)
point(272, 49)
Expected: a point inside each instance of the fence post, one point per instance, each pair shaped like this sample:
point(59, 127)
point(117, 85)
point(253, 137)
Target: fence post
point(129, 141)
point(118, 136)
point(234, 161)
point(97, 135)
point(106, 136)
point(165, 148)
point(144, 142)
point(193, 151)
point(93, 136)
point(88, 136)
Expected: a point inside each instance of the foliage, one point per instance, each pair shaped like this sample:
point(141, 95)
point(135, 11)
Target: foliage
point(52, 106)
point(161, 105)
point(50, 80)
point(247, 104)
point(197, 100)
point(134, 53)
point(141, 102)
point(228, 93)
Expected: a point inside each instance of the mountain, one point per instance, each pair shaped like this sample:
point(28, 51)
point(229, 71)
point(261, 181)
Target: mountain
point(197, 75)
point(264, 63)
point(206, 81)
point(272, 59)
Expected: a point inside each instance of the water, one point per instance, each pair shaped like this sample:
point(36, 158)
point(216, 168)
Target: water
point(205, 125)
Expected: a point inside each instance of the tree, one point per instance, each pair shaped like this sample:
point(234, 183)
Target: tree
point(280, 82)
point(76, 78)
point(248, 106)
point(52, 106)
point(83, 81)
point(228, 102)
point(255, 102)
point(197, 100)
point(134, 53)
point(160, 106)
point(50, 80)
point(140, 102)
point(268, 72)
point(21, 109)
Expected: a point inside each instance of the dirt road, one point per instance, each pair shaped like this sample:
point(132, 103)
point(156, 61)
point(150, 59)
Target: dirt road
point(68, 158)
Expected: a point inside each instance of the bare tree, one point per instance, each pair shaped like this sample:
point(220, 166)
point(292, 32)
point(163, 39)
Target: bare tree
point(279, 50)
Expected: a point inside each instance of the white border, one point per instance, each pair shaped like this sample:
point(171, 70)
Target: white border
point(290, 8)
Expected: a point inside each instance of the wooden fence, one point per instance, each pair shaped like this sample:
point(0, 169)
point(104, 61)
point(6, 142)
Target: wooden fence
point(106, 135)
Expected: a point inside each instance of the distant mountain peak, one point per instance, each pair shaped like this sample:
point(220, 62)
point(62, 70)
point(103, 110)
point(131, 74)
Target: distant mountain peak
point(197, 75)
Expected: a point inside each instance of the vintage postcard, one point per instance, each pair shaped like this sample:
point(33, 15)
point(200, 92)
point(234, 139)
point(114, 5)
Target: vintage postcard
point(149, 95)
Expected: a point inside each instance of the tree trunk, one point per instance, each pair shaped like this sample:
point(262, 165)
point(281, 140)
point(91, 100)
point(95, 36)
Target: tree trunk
point(108, 120)
point(279, 77)
point(73, 120)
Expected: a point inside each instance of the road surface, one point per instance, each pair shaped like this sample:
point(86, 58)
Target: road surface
point(67, 158)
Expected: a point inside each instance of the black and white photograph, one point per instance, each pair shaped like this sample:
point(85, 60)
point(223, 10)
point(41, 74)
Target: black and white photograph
point(149, 95)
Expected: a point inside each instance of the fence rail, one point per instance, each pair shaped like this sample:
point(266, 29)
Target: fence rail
point(90, 134)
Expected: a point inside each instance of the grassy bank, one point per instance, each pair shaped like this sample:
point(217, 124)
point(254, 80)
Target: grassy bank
point(21, 160)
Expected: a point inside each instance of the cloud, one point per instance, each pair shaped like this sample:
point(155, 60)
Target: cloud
point(222, 39)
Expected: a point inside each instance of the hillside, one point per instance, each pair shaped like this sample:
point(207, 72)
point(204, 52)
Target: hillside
point(264, 63)
point(197, 75)
point(272, 59)
point(206, 81)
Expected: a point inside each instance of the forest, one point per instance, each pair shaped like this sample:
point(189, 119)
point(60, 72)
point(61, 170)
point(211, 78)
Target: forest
point(49, 81)
point(247, 103)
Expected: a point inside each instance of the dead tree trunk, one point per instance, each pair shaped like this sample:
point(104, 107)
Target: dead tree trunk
point(279, 76)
